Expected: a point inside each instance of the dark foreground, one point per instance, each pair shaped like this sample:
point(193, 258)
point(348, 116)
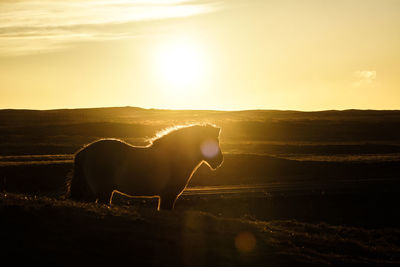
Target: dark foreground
point(45, 231)
point(295, 189)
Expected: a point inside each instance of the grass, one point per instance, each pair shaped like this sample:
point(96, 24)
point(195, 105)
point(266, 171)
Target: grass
point(237, 169)
point(47, 231)
point(359, 194)
point(279, 229)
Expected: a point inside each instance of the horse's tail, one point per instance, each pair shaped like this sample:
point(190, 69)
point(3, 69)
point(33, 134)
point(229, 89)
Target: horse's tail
point(79, 188)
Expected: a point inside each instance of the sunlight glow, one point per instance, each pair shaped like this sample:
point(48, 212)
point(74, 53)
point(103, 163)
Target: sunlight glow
point(181, 65)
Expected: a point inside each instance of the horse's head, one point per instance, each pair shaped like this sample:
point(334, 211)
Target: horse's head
point(203, 140)
point(209, 147)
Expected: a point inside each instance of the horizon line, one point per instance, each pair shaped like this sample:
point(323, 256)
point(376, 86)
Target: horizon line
point(186, 109)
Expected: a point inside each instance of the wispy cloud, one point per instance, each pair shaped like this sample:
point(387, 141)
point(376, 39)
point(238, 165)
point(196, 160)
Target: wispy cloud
point(364, 78)
point(29, 26)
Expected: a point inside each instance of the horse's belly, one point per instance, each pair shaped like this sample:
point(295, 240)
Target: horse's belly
point(137, 183)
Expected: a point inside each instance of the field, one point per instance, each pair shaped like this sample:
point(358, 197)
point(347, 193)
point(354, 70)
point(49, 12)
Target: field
point(296, 188)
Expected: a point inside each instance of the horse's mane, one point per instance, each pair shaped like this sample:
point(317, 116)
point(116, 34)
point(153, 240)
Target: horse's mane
point(177, 131)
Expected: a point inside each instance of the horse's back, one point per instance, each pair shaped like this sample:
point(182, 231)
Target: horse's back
point(106, 147)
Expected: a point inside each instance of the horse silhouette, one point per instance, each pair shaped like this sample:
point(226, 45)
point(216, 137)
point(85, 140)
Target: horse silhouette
point(162, 169)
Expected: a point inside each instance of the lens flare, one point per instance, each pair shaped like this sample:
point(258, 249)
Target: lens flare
point(245, 242)
point(209, 148)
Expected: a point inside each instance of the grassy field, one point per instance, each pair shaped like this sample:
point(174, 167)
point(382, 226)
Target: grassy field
point(59, 232)
point(296, 188)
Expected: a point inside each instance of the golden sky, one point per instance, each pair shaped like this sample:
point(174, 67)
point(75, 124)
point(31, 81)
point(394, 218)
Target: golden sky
point(298, 55)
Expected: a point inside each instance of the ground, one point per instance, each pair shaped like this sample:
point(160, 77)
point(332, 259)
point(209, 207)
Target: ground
point(295, 189)
point(47, 231)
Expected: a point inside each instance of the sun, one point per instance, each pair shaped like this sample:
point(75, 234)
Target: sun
point(181, 65)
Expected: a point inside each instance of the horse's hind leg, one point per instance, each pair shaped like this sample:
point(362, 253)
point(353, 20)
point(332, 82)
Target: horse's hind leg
point(112, 195)
point(167, 202)
point(104, 198)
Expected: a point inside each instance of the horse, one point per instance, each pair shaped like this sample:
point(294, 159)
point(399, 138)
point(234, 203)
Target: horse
point(161, 169)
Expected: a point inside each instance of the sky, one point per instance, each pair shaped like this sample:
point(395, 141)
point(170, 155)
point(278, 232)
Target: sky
point(182, 54)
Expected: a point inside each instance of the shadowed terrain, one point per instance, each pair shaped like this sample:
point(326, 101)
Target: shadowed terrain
point(50, 232)
point(310, 188)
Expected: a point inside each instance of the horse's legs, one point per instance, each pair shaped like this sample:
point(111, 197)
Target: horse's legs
point(112, 194)
point(105, 198)
point(167, 202)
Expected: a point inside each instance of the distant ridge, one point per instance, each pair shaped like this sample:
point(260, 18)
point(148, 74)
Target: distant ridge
point(131, 108)
point(252, 120)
